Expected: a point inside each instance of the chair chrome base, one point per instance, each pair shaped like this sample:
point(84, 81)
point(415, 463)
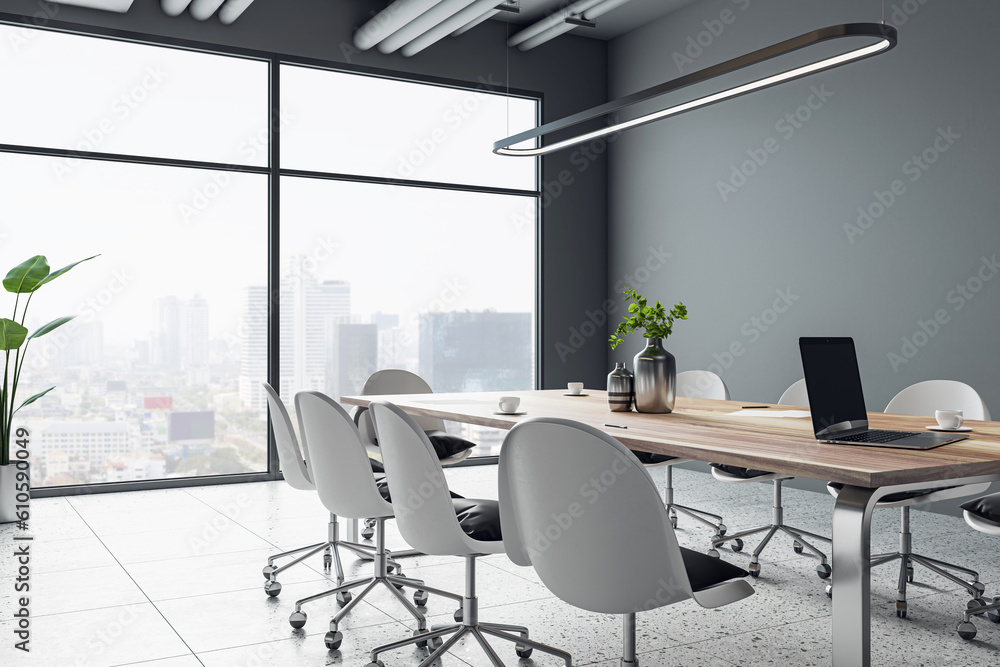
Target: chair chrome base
point(698, 515)
point(823, 570)
point(393, 582)
point(470, 625)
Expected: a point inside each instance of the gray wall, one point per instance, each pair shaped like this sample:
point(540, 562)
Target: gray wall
point(772, 260)
point(571, 73)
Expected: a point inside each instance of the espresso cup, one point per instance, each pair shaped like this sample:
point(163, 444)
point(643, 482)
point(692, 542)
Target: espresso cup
point(575, 388)
point(950, 419)
point(509, 403)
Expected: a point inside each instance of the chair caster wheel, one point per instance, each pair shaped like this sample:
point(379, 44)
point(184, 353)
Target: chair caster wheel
point(268, 571)
point(327, 562)
point(523, 652)
point(714, 553)
point(420, 598)
point(343, 599)
point(436, 643)
point(458, 615)
point(297, 619)
point(823, 570)
point(994, 614)
point(754, 570)
point(829, 591)
point(333, 640)
point(980, 588)
point(672, 515)
point(909, 574)
point(721, 530)
point(966, 630)
point(377, 663)
point(273, 588)
point(417, 633)
point(900, 610)
point(736, 545)
point(367, 532)
point(797, 547)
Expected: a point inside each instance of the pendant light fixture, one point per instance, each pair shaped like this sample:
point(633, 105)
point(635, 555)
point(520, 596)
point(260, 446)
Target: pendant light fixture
point(885, 36)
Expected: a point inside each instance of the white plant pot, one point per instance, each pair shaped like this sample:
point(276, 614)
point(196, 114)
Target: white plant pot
point(8, 493)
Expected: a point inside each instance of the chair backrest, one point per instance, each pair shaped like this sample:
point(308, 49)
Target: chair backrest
point(421, 500)
point(923, 398)
point(393, 381)
point(701, 384)
point(338, 459)
point(578, 506)
point(293, 462)
point(795, 395)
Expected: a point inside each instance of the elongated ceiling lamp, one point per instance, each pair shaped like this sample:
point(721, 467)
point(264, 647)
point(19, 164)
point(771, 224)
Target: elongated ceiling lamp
point(883, 33)
point(120, 6)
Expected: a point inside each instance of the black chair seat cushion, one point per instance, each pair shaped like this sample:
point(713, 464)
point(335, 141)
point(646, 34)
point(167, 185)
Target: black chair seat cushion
point(986, 508)
point(480, 519)
point(745, 473)
point(383, 490)
point(649, 458)
point(897, 497)
point(705, 571)
point(446, 445)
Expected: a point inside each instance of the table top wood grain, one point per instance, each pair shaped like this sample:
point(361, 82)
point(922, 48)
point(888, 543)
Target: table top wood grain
point(703, 430)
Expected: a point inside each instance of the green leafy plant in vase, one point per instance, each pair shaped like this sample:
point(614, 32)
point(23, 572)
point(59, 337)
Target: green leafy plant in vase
point(23, 280)
point(655, 368)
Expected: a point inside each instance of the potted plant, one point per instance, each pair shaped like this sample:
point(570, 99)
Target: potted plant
point(24, 279)
point(655, 368)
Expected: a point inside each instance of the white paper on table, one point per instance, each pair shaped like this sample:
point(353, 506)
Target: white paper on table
point(793, 414)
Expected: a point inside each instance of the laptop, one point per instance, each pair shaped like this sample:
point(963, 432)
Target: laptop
point(837, 402)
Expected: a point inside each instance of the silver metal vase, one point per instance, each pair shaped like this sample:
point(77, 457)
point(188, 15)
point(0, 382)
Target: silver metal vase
point(621, 388)
point(655, 378)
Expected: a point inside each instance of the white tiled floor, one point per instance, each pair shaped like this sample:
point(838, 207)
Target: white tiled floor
point(172, 579)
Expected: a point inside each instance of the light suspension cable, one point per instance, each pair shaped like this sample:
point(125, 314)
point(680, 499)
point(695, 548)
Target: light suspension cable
point(885, 34)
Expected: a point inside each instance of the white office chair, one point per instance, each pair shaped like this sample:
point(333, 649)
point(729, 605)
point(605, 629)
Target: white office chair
point(924, 398)
point(436, 524)
point(346, 485)
point(295, 469)
point(794, 395)
point(983, 514)
point(604, 546)
point(693, 384)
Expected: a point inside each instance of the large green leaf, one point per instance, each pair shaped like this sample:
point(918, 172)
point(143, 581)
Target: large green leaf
point(27, 276)
point(35, 398)
point(55, 274)
point(54, 324)
point(12, 334)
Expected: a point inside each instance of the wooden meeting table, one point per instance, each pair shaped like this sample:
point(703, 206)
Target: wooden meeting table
point(704, 430)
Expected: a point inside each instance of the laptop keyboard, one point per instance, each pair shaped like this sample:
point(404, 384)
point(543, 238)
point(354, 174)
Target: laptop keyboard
point(876, 436)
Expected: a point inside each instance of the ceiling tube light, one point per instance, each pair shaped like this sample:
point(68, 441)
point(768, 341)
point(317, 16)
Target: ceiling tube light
point(565, 26)
point(174, 7)
point(885, 34)
point(203, 9)
point(552, 20)
point(443, 11)
point(120, 6)
point(459, 21)
point(509, 6)
point(394, 17)
point(232, 10)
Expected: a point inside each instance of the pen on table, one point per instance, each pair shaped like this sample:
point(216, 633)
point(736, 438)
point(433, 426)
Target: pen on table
point(756, 407)
point(615, 426)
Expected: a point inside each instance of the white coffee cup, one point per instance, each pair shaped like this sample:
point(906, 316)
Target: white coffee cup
point(950, 419)
point(574, 388)
point(509, 403)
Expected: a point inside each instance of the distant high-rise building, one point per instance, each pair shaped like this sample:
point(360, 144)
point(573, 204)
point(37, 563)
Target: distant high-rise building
point(484, 351)
point(194, 340)
point(85, 347)
point(167, 337)
point(353, 353)
point(253, 348)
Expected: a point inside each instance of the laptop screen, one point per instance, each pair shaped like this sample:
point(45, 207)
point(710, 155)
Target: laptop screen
point(836, 399)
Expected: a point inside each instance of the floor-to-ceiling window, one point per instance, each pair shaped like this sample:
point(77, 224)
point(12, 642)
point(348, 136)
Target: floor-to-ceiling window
point(404, 243)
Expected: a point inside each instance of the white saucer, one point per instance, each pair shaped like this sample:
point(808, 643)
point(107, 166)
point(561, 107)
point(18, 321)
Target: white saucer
point(510, 414)
point(576, 394)
point(960, 429)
